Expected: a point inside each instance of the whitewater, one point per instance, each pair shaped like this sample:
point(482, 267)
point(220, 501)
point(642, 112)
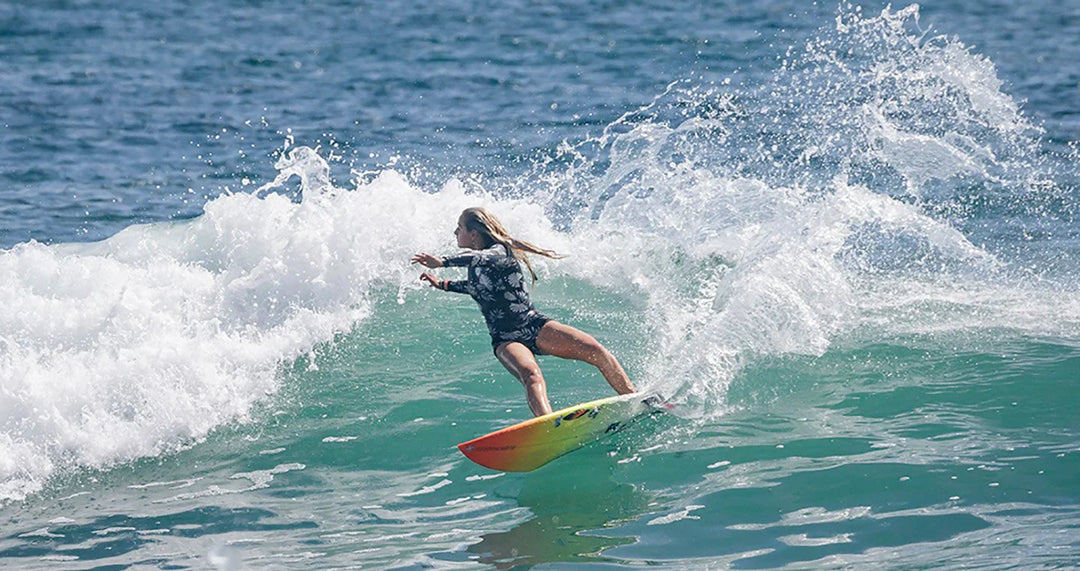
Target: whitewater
point(853, 271)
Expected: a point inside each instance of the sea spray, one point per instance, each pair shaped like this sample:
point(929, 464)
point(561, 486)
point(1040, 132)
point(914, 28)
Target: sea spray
point(143, 343)
point(846, 261)
point(843, 203)
point(767, 221)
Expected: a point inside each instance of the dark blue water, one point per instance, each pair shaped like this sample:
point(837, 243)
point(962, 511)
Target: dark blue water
point(135, 112)
point(843, 238)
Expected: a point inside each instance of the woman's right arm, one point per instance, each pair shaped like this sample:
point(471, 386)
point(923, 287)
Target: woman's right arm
point(480, 257)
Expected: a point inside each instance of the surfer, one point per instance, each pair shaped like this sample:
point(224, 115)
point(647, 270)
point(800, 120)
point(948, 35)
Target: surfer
point(518, 331)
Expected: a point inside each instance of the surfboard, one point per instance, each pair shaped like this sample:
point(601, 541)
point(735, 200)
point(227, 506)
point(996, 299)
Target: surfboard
point(529, 445)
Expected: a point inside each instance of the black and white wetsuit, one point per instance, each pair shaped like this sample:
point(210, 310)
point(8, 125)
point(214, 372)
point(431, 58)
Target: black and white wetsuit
point(498, 286)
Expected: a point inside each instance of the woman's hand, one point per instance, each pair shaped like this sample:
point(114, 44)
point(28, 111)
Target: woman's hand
point(431, 280)
point(427, 260)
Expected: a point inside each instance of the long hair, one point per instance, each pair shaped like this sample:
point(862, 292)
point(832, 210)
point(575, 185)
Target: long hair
point(480, 220)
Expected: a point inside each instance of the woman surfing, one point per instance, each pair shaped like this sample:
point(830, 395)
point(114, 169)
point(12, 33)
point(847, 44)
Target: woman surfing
point(518, 331)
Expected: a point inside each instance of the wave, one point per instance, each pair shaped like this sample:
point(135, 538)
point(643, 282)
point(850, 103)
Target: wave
point(143, 343)
point(869, 192)
point(874, 188)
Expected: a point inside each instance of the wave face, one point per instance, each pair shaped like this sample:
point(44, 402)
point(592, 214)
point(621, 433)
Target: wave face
point(874, 187)
point(844, 269)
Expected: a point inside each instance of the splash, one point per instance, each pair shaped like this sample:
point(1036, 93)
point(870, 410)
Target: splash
point(142, 344)
point(865, 193)
point(768, 222)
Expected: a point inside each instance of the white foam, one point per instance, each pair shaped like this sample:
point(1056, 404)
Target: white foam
point(740, 225)
point(681, 515)
point(143, 343)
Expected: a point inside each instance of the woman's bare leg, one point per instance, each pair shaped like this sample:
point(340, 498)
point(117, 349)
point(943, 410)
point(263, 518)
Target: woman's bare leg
point(567, 342)
point(521, 363)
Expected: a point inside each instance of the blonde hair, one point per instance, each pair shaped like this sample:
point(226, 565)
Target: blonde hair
point(493, 232)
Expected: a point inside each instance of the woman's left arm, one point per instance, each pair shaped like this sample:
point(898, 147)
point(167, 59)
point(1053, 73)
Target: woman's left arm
point(429, 261)
point(459, 286)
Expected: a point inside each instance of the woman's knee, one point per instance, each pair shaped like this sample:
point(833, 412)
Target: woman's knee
point(531, 375)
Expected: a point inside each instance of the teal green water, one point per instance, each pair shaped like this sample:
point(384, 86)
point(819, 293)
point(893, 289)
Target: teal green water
point(912, 454)
point(844, 240)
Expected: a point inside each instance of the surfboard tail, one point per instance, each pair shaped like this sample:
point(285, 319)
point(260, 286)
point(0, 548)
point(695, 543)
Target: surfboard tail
point(530, 444)
point(657, 402)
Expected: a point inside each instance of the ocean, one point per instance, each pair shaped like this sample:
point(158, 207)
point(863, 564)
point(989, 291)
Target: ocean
point(843, 239)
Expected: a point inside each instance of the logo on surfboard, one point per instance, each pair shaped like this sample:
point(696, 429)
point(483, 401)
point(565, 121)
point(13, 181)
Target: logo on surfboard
point(592, 412)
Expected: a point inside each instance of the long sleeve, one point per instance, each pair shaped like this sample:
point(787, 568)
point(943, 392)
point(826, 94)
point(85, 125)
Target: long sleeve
point(461, 259)
point(456, 286)
point(470, 257)
point(475, 260)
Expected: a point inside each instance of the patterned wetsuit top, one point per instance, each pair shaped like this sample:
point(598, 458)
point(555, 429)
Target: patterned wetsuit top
point(498, 286)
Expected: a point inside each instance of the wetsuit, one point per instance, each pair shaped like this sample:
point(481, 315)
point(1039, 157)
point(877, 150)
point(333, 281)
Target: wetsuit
point(498, 286)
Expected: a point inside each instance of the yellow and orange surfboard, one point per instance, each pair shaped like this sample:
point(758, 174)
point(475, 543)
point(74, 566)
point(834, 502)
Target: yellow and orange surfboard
point(528, 445)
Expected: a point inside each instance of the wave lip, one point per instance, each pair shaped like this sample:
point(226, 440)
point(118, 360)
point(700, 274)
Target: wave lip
point(143, 343)
point(770, 220)
point(874, 178)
